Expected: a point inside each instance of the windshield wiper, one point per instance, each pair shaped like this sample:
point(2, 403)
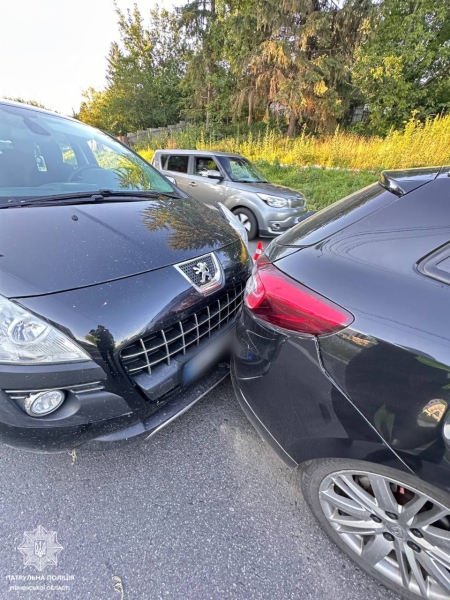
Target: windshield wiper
point(95, 196)
point(137, 194)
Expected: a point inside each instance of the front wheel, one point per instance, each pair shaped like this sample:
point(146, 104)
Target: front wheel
point(393, 525)
point(248, 220)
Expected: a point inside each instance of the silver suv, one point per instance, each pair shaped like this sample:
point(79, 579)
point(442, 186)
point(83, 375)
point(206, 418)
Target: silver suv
point(264, 209)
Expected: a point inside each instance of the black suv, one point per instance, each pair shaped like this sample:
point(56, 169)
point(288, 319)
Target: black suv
point(118, 292)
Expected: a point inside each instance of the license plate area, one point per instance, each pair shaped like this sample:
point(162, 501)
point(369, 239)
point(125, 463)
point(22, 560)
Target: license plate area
point(186, 369)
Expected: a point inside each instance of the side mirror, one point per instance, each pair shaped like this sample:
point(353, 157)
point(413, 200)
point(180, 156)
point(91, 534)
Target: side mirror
point(171, 179)
point(213, 174)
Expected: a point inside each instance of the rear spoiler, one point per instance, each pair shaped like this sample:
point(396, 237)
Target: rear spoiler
point(402, 182)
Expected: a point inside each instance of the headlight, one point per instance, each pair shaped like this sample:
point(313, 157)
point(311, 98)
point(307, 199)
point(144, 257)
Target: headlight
point(234, 222)
point(25, 339)
point(274, 201)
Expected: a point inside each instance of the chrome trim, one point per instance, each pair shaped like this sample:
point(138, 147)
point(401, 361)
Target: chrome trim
point(80, 388)
point(198, 328)
point(86, 391)
point(182, 336)
point(215, 283)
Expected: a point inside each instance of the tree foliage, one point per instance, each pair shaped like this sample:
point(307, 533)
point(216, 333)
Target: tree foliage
point(302, 60)
point(289, 63)
point(143, 76)
point(405, 64)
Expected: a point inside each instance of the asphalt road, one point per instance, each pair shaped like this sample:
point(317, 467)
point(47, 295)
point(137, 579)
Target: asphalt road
point(204, 510)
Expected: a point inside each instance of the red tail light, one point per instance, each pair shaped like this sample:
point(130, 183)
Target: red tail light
point(276, 298)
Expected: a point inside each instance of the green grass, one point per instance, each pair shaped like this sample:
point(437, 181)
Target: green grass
point(418, 144)
point(321, 187)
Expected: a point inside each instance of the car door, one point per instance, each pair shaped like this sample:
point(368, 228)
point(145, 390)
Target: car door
point(177, 166)
point(202, 187)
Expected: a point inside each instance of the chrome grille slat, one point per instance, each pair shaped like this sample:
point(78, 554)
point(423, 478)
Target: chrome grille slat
point(167, 346)
point(158, 347)
point(144, 351)
point(146, 357)
point(182, 335)
point(209, 321)
point(198, 330)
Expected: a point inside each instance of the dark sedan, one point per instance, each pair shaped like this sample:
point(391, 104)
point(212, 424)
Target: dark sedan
point(343, 364)
point(118, 292)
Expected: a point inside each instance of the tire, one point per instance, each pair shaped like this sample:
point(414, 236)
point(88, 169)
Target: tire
point(248, 220)
point(394, 536)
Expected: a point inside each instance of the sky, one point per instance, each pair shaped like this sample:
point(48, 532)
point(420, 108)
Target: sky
point(52, 50)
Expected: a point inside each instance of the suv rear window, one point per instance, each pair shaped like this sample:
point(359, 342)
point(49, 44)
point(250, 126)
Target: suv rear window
point(177, 163)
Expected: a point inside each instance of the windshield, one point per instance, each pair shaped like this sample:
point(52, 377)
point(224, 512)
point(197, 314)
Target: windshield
point(46, 155)
point(241, 169)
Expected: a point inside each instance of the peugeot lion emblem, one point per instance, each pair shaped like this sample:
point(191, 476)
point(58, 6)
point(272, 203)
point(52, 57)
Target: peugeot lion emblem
point(204, 273)
point(202, 269)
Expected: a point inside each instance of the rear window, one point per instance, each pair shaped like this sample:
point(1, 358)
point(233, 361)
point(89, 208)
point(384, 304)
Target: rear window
point(177, 163)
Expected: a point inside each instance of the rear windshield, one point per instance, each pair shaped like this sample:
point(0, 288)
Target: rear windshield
point(43, 155)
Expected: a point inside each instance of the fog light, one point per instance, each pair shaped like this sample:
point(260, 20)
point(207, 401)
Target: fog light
point(44, 403)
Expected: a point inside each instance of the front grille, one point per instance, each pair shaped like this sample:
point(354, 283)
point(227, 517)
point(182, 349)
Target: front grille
point(145, 354)
point(296, 201)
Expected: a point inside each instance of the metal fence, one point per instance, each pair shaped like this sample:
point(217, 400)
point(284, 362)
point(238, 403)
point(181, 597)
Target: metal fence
point(143, 135)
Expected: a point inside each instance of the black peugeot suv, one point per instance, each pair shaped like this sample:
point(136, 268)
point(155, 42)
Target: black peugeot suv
point(118, 292)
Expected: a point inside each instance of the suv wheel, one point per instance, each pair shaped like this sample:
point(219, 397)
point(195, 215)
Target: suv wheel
point(248, 220)
point(393, 525)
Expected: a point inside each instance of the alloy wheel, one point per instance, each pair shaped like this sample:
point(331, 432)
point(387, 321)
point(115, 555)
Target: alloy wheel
point(402, 533)
point(245, 221)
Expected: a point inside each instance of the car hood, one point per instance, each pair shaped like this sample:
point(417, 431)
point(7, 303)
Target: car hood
point(268, 188)
point(48, 249)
